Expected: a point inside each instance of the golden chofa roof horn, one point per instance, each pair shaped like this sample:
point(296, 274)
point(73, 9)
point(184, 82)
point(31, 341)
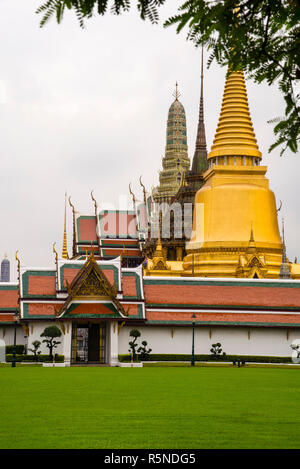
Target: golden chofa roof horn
point(235, 135)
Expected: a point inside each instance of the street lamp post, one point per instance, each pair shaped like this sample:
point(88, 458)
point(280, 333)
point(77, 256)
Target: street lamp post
point(193, 342)
point(13, 363)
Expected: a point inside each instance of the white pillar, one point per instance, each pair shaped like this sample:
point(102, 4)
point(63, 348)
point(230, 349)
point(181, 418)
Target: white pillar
point(67, 342)
point(113, 343)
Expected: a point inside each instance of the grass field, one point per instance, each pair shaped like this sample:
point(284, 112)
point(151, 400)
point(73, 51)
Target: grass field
point(154, 408)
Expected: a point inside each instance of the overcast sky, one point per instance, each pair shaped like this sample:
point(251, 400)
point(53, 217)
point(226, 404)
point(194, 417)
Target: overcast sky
point(87, 109)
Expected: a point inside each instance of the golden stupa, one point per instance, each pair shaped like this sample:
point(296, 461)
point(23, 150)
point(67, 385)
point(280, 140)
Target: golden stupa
point(235, 226)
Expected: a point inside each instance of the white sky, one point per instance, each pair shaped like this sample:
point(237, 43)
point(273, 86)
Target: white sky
point(87, 109)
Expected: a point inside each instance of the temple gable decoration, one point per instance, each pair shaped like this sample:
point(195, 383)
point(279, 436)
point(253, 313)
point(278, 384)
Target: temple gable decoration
point(90, 286)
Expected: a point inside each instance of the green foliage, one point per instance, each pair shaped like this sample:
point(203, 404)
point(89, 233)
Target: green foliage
point(216, 349)
point(20, 349)
point(210, 358)
point(36, 352)
point(135, 333)
point(31, 358)
point(51, 333)
point(73, 408)
point(87, 8)
point(143, 351)
point(263, 39)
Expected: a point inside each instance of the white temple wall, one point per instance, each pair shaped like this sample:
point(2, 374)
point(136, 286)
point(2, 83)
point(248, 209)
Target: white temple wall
point(35, 330)
point(7, 334)
point(234, 340)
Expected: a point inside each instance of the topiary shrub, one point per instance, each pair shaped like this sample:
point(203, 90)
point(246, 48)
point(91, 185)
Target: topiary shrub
point(51, 333)
point(143, 352)
point(216, 349)
point(36, 352)
point(135, 333)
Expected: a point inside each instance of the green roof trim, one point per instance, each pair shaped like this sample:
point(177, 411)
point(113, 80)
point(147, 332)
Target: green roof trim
point(223, 323)
point(115, 235)
point(8, 287)
point(79, 267)
point(137, 284)
point(222, 283)
point(139, 315)
point(105, 253)
point(83, 217)
point(223, 306)
point(118, 246)
point(26, 314)
point(35, 273)
point(110, 306)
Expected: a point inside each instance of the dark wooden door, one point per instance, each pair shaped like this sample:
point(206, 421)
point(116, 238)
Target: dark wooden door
point(94, 340)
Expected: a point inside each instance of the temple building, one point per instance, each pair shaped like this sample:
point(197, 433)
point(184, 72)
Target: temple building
point(181, 204)
point(231, 277)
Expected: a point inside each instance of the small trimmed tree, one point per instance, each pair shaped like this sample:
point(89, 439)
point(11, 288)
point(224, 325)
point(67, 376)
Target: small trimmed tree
point(216, 349)
point(135, 333)
point(35, 350)
point(144, 353)
point(51, 333)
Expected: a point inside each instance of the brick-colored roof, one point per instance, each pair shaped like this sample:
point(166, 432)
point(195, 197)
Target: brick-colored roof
point(6, 318)
point(129, 285)
point(246, 318)
point(41, 285)
point(92, 310)
point(109, 252)
point(134, 310)
point(8, 298)
point(86, 229)
point(69, 274)
point(120, 243)
point(117, 224)
point(42, 309)
point(218, 294)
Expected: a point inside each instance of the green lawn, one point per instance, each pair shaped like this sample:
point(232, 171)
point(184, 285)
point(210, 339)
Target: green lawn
point(169, 408)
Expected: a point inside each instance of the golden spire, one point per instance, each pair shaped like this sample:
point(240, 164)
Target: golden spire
point(158, 250)
point(65, 246)
point(158, 260)
point(251, 245)
point(235, 135)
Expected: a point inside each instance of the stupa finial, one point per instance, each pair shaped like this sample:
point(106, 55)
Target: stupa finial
point(200, 156)
point(284, 268)
point(65, 246)
point(176, 93)
point(235, 134)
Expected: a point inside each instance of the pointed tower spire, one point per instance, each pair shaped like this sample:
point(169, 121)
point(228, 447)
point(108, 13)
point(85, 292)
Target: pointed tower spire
point(176, 160)
point(200, 156)
point(251, 246)
point(284, 268)
point(235, 135)
point(74, 228)
point(176, 93)
point(65, 246)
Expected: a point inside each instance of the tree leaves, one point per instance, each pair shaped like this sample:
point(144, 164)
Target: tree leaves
point(86, 9)
point(262, 37)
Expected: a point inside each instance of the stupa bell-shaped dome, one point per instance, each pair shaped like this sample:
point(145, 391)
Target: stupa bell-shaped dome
point(235, 134)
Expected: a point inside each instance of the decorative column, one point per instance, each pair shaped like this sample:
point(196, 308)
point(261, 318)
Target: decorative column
point(113, 344)
point(67, 343)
